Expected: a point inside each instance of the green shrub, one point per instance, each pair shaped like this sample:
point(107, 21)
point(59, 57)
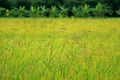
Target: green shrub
point(34, 12)
point(53, 12)
point(19, 12)
point(76, 11)
point(101, 10)
point(14, 12)
point(7, 14)
point(63, 11)
point(2, 12)
point(118, 12)
point(43, 11)
point(85, 11)
point(23, 12)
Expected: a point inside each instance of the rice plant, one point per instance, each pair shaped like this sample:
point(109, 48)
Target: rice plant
point(59, 49)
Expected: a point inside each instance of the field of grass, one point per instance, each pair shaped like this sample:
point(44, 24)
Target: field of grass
point(59, 49)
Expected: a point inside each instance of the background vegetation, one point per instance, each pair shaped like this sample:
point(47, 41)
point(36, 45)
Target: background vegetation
point(59, 8)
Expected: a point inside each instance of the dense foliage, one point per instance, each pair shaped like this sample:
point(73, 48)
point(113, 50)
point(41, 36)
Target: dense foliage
point(59, 8)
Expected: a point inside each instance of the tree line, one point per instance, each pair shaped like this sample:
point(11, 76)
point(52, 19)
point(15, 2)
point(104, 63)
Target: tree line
point(59, 8)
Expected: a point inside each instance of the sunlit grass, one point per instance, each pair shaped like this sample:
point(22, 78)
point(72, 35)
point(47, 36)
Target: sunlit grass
point(59, 49)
